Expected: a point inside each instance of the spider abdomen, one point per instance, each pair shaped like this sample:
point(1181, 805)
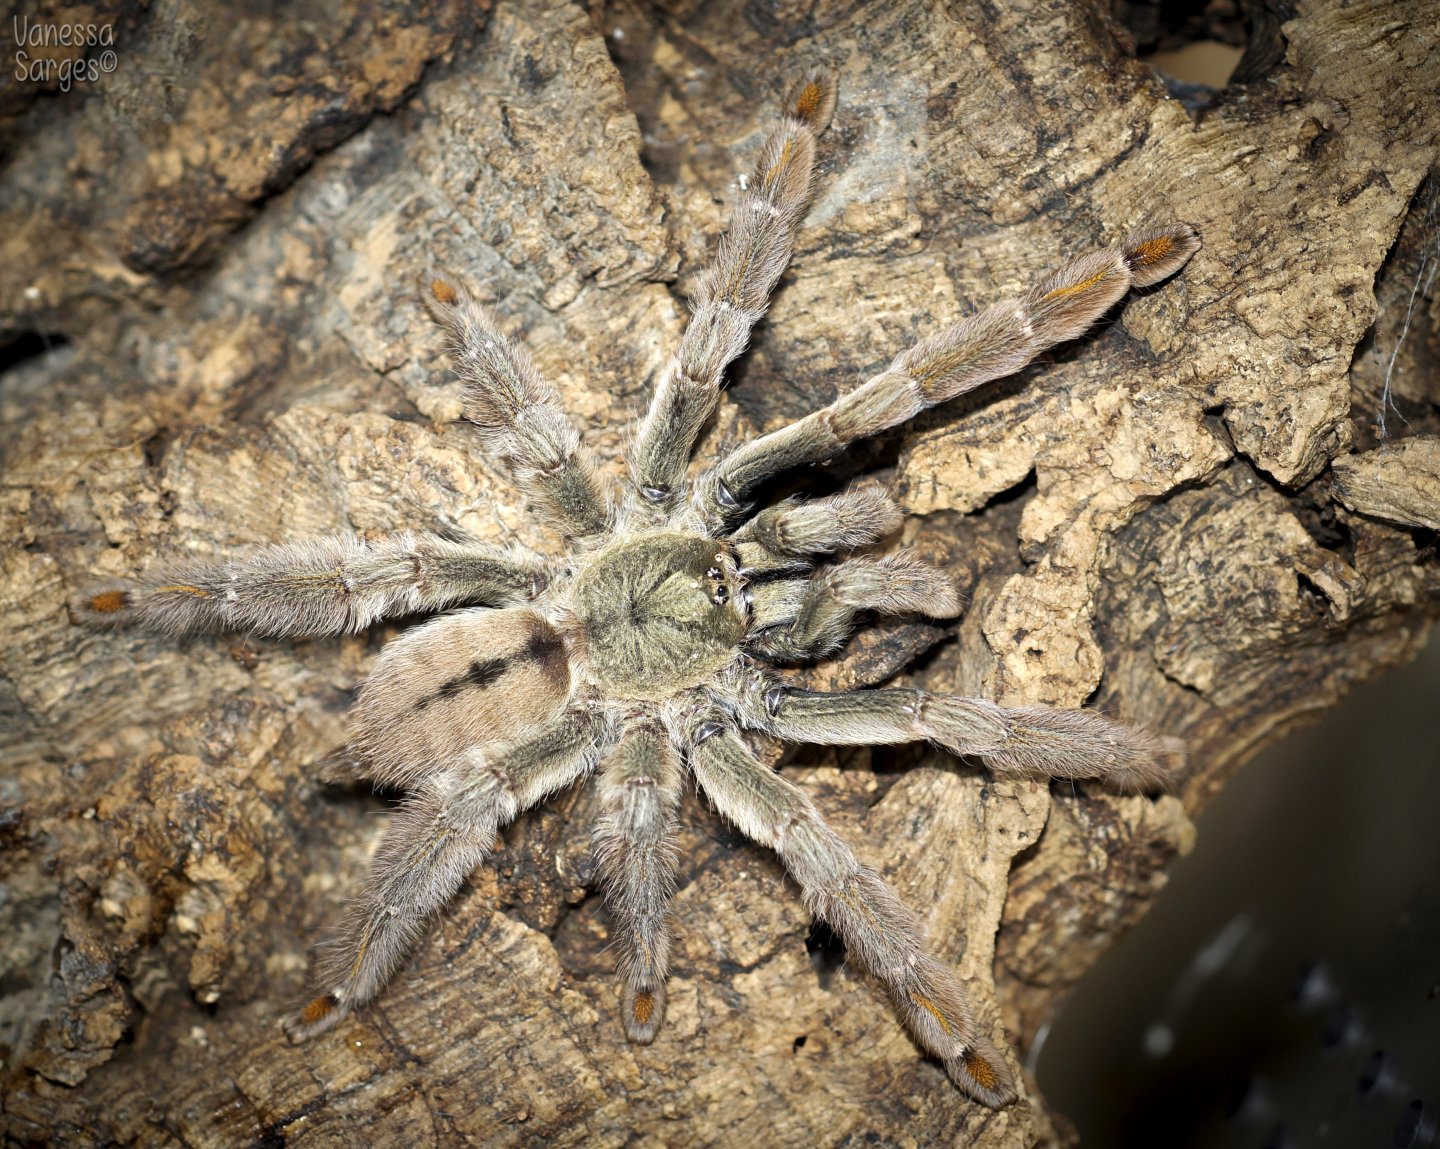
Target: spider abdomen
point(474, 678)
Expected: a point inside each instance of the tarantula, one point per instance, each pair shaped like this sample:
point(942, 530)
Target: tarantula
point(645, 651)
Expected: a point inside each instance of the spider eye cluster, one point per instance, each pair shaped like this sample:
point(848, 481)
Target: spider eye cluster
point(719, 585)
point(660, 613)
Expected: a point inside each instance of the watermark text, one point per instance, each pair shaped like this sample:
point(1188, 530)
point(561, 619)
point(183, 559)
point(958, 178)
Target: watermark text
point(50, 53)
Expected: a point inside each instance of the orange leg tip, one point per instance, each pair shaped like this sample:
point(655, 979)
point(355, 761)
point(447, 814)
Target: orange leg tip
point(444, 293)
point(813, 102)
point(1153, 250)
point(108, 602)
point(981, 1071)
point(809, 100)
point(318, 1010)
point(1158, 254)
point(644, 1007)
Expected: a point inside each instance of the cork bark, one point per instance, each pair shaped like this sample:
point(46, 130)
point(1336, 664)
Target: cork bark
point(1191, 518)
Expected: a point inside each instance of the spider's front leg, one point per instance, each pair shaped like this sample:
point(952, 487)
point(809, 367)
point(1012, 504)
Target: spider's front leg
point(435, 839)
point(325, 586)
point(997, 342)
point(734, 292)
point(795, 621)
point(1025, 741)
point(778, 535)
point(635, 844)
point(877, 928)
point(797, 614)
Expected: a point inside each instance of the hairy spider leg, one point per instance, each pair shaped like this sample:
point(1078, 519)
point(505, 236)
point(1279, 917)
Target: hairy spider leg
point(440, 833)
point(1024, 741)
point(990, 345)
point(878, 929)
point(325, 586)
point(733, 293)
point(856, 517)
point(519, 415)
point(796, 621)
point(635, 845)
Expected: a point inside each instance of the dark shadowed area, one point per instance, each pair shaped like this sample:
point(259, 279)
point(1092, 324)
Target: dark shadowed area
point(1284, 990)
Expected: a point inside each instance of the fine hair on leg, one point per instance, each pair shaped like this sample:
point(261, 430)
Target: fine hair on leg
point(1024, 741)
point(734, 292)
point(990, 345)
point(324, 586)
point(857, 517)
point(825, 610)
point(435, 839)
point(878, 929)
point(519, 415)
point(635, 846)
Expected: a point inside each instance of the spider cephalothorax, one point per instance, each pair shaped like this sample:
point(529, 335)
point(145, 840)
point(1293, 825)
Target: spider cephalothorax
point(659, 613)
point(645, 651)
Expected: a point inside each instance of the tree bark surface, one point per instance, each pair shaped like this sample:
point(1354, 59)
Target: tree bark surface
point(1190, 518)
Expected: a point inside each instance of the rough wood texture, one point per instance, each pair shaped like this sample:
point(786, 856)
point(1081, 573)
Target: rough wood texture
point(215, 245)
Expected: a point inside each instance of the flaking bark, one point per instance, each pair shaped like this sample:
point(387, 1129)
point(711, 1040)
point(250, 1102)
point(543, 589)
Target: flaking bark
point(1187, 519)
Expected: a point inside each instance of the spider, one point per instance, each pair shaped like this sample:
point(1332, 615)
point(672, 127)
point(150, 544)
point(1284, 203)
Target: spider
point(647, 650)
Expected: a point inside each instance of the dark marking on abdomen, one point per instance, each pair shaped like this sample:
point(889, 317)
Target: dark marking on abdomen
point(478, 674)
point(544, 647)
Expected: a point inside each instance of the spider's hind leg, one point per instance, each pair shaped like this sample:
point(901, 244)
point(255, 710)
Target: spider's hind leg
point(435, 839)
point(877, 928)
